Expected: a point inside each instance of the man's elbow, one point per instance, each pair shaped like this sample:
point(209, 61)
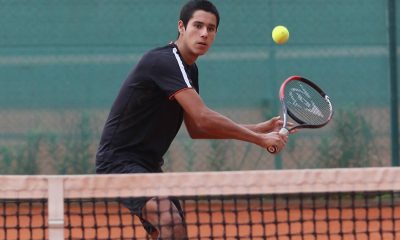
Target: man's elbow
point(204, 122)
point(195, 135)
point(200, 125)
point(194, 132)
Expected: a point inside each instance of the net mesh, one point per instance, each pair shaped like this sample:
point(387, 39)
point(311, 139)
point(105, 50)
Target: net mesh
point(302, 204)
point(22, 219)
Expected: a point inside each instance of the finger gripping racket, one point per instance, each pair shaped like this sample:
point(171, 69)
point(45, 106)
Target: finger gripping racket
point(305, 103)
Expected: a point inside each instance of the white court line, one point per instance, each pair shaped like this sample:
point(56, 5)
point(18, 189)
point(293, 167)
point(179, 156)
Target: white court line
point(331, 52)
point(68, 59)
point(236, 55)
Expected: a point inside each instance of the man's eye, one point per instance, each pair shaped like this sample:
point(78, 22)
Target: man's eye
point(211, 29)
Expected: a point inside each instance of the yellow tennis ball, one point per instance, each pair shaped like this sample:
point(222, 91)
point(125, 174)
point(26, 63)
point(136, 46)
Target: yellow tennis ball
point(280, 34)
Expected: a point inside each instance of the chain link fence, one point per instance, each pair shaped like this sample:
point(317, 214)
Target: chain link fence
point(62, 63)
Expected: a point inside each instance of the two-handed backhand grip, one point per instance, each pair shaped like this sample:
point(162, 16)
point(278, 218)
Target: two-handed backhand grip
point(273, 149)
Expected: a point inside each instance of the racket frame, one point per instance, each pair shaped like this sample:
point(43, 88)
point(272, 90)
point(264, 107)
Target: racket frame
point(286, 113)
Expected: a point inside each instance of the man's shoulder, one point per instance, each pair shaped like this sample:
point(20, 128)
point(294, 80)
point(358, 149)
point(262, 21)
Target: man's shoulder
point(160, 53)
point(160, 58)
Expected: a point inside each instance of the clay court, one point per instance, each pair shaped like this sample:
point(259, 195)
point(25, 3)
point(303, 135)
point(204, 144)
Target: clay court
point(233, 221)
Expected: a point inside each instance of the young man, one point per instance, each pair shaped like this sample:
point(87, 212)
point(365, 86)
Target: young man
point(161, 93)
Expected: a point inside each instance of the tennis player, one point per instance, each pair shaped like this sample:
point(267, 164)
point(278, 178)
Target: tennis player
point(158, 95)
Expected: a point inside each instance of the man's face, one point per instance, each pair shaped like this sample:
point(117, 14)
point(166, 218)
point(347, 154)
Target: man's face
point(200, 32)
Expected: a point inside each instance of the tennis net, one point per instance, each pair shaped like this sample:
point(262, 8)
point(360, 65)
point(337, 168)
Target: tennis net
point(286, 204)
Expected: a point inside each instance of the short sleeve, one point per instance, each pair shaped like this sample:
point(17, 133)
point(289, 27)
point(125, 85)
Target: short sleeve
point(170, 75)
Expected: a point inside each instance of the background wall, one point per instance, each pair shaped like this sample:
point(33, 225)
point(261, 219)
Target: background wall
point(62, 63)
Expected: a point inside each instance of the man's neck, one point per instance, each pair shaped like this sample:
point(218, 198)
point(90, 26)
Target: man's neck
point(188, 57)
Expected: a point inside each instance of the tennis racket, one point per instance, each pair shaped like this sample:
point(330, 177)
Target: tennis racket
point(305, 103)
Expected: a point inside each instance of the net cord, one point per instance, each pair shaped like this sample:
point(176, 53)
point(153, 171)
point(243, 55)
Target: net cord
point(203, 183)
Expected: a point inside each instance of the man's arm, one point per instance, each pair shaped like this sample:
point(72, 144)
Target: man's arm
point(203, 122)
point(272, 125)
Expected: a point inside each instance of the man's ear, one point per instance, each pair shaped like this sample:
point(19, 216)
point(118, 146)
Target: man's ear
point(181, 27)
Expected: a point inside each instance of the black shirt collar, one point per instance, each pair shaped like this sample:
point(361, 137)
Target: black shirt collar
point(173, 45)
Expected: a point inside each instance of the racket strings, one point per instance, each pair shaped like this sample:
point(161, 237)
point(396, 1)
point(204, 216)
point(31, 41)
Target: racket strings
point(306, 105)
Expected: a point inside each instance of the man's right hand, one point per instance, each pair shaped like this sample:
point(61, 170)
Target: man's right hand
point(273, 139)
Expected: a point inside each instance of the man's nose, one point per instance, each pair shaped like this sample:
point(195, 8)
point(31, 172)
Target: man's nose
point(204, 32)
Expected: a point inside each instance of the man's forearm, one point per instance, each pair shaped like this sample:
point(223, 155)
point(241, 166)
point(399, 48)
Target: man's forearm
point(216, 126)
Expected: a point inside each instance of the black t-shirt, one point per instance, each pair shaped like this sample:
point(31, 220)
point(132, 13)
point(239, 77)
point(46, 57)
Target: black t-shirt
point(145, 117)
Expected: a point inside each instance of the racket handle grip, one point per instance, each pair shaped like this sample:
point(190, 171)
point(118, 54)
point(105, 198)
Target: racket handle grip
point(274, 149)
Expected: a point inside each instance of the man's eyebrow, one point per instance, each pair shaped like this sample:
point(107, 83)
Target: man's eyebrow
point(200, 22)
